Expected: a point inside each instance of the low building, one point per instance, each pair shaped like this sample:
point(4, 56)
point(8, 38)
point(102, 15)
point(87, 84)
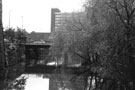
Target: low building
point(38, 37)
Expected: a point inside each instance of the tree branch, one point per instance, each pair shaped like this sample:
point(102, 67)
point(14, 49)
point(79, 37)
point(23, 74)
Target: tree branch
point(132, 12)
point(82, 25)
point(87, 70)
point(122, 20)
point(79, 55)
point(126, 9)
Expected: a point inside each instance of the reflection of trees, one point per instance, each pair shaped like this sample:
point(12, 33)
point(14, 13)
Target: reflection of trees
point(18, 84)
point(66, 79)
point(64, 82)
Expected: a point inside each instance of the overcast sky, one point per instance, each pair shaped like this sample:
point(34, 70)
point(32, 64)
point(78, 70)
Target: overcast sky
point(36, 14)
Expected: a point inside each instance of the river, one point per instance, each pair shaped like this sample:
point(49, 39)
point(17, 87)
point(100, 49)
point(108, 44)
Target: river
point(15, 78)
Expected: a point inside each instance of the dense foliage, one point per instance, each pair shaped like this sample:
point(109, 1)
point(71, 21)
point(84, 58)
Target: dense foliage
point(14, 45)
point(101, 37)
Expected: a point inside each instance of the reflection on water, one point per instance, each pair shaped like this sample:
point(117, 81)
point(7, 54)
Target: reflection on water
point(14, 79)
point(27, 82)
point(33, 82)
point(17, 84)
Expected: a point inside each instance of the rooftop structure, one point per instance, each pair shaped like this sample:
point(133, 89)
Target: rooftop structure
point(37, 37)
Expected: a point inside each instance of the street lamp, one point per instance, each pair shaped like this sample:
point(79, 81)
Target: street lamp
point(9, 18)
point(22, 22)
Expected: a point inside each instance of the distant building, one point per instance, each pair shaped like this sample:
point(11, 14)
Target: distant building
point(59, 19)
point(37, 37)
point(53, 11)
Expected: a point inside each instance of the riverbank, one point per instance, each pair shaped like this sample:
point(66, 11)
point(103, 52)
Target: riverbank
point(10, 74)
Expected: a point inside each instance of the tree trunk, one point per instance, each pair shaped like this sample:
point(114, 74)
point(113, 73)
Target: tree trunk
point(2, 55)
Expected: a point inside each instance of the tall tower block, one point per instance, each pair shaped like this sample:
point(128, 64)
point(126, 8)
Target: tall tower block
point(53, 11)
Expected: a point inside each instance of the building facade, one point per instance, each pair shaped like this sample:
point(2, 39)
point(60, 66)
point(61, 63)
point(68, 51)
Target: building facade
point(58, 19)
point(53, 11)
